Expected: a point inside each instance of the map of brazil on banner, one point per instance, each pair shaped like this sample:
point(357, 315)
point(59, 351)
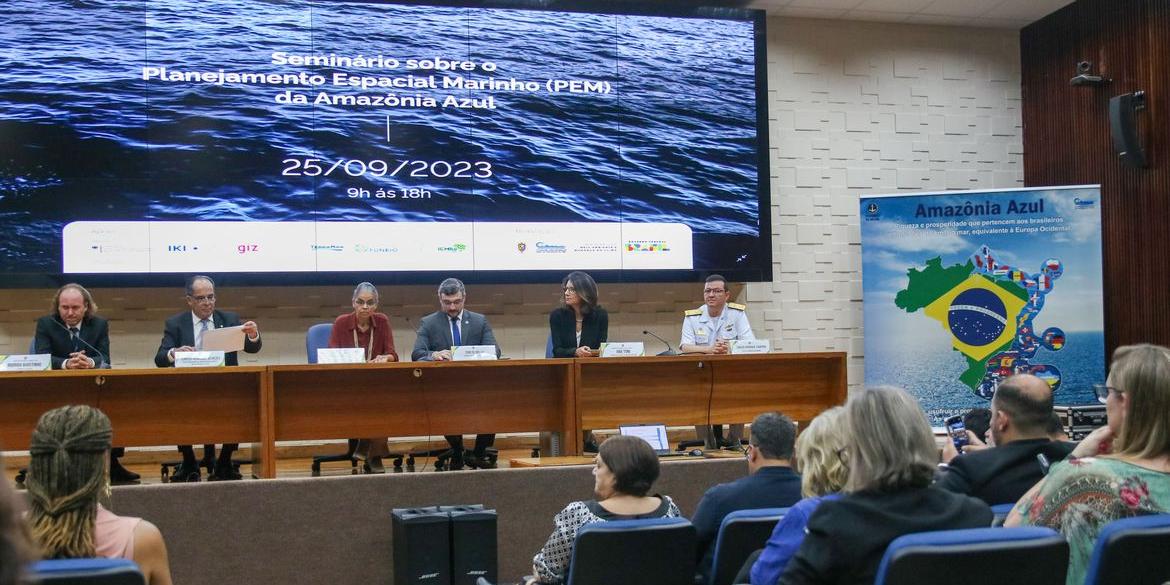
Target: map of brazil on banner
point(965, 288)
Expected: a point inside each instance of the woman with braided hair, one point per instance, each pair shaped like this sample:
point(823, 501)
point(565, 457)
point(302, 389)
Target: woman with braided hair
point(67, 472)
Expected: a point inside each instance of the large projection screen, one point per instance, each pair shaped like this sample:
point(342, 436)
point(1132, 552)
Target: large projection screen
point(312, 142)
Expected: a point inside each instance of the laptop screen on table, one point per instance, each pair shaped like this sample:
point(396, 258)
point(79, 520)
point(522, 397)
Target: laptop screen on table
point(653, 434)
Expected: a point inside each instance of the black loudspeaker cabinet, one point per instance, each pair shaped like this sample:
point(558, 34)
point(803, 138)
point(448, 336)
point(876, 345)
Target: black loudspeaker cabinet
point(422, 546)
point(1123, 127)
point(474, 547)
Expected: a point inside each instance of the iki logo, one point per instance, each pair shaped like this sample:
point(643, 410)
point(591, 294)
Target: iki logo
point(181, 248)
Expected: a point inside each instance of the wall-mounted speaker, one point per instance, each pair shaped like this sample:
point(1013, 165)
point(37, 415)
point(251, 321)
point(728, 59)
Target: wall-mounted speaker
point(1123, 127)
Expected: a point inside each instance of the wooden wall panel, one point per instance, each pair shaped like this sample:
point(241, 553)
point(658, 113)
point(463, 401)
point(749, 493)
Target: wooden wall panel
point(1067, 142)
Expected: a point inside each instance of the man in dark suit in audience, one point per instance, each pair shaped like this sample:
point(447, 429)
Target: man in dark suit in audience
point(1023, 451)
point(771, 483)
point(77, 339)
point(184, 332)
point(450, 326)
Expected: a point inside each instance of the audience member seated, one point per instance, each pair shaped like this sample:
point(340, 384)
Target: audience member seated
point(978, 421)
point(625, 470)
point(15, 551)
point(1023, 452)
point(822, 475)
point(770, 483)
point(1056, 430)
point(1120, 470)
point(891, 456)
point(67, 473)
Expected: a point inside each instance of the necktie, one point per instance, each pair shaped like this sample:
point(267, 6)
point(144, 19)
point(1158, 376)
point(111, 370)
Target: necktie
point(456, 338)
point(204, 325)
point(73, 333)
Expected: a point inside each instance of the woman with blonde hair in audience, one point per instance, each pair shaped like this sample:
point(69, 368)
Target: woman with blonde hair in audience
point(1120, 470)
point(822, 475)
point(625, 470)
point(891, 456)
point(67, 473)
point(15, 551)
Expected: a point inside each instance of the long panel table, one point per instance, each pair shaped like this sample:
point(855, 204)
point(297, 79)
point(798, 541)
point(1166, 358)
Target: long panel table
point(146, 407)
point(263, 405)
point(424, 398)
point(703, 389)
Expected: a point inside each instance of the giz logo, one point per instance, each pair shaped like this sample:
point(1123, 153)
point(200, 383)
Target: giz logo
point(245, 248)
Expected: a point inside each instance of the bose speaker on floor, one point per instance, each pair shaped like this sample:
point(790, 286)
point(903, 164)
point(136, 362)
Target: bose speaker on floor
point(473, 544)
point(422, 546)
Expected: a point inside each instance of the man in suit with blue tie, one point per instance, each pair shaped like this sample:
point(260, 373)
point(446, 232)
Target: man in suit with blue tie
point(184, 332)
point(77, 339)
point(448, 327)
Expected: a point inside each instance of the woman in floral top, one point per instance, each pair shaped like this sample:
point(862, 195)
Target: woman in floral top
point(625, 470)
point(1119, 471)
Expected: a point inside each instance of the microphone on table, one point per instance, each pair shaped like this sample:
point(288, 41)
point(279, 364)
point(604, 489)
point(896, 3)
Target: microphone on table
point(669, 349)
point(103, 364)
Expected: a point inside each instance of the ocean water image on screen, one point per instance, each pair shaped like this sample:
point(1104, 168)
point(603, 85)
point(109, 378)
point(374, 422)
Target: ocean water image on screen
point(334, 112)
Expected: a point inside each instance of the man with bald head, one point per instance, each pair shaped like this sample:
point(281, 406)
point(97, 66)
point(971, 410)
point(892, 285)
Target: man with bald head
point(1020, 412)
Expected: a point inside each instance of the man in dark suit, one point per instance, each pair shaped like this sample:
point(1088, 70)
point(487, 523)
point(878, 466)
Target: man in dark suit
point(1020, 411)
point(770, 483)
point(448, 327)
point(184, 332)
point(77, 339)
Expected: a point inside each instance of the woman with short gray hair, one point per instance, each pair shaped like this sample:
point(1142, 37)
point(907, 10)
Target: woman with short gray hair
point(891, 456)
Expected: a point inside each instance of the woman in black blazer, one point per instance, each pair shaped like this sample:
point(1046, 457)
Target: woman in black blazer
point(579, 326)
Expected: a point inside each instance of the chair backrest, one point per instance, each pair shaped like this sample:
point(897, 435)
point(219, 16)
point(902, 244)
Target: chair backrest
point(1131, 550)
point(316, 338)
point(32, 346)
point(1000, 513)
point(1033, 555)
point(548, 346)
point(740, 534)
point(99, 571)
point(654, 551)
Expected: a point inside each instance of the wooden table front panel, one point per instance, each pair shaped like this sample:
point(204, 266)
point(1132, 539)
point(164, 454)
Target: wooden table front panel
point(615, 391)
point(146, 407)
point(24, 396)
point(798, 385)
point(344, 401)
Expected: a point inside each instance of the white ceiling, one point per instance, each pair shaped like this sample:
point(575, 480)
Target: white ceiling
point(1012, 14)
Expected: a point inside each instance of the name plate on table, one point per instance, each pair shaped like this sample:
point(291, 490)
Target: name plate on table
point(623, 349)
point(742, 346)
point(473, 352)
point(199, 359)
point(341, 355)
point(25, 362)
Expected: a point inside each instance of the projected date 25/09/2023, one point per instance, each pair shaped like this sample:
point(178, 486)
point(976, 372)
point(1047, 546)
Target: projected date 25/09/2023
point(421, 169)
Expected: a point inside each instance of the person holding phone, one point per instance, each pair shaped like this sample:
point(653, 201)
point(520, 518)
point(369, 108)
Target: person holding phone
point(1020, 411)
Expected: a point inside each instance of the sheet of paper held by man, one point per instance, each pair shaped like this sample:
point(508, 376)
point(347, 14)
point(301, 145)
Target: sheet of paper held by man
point(224, 339)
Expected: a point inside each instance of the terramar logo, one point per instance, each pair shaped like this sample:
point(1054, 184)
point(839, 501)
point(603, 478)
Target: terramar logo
point(453, 248)
point(328, 248)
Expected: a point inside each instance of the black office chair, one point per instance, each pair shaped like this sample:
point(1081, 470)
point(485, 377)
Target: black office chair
point(1131, 551)
point(656, 551)
point(653, 551)
point(740, 534)
point(95, 571)
point(1033, 555)
point(315, 338)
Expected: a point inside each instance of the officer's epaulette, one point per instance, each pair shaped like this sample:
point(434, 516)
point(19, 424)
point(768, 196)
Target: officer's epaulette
point(737, 306)
point(693, 312)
